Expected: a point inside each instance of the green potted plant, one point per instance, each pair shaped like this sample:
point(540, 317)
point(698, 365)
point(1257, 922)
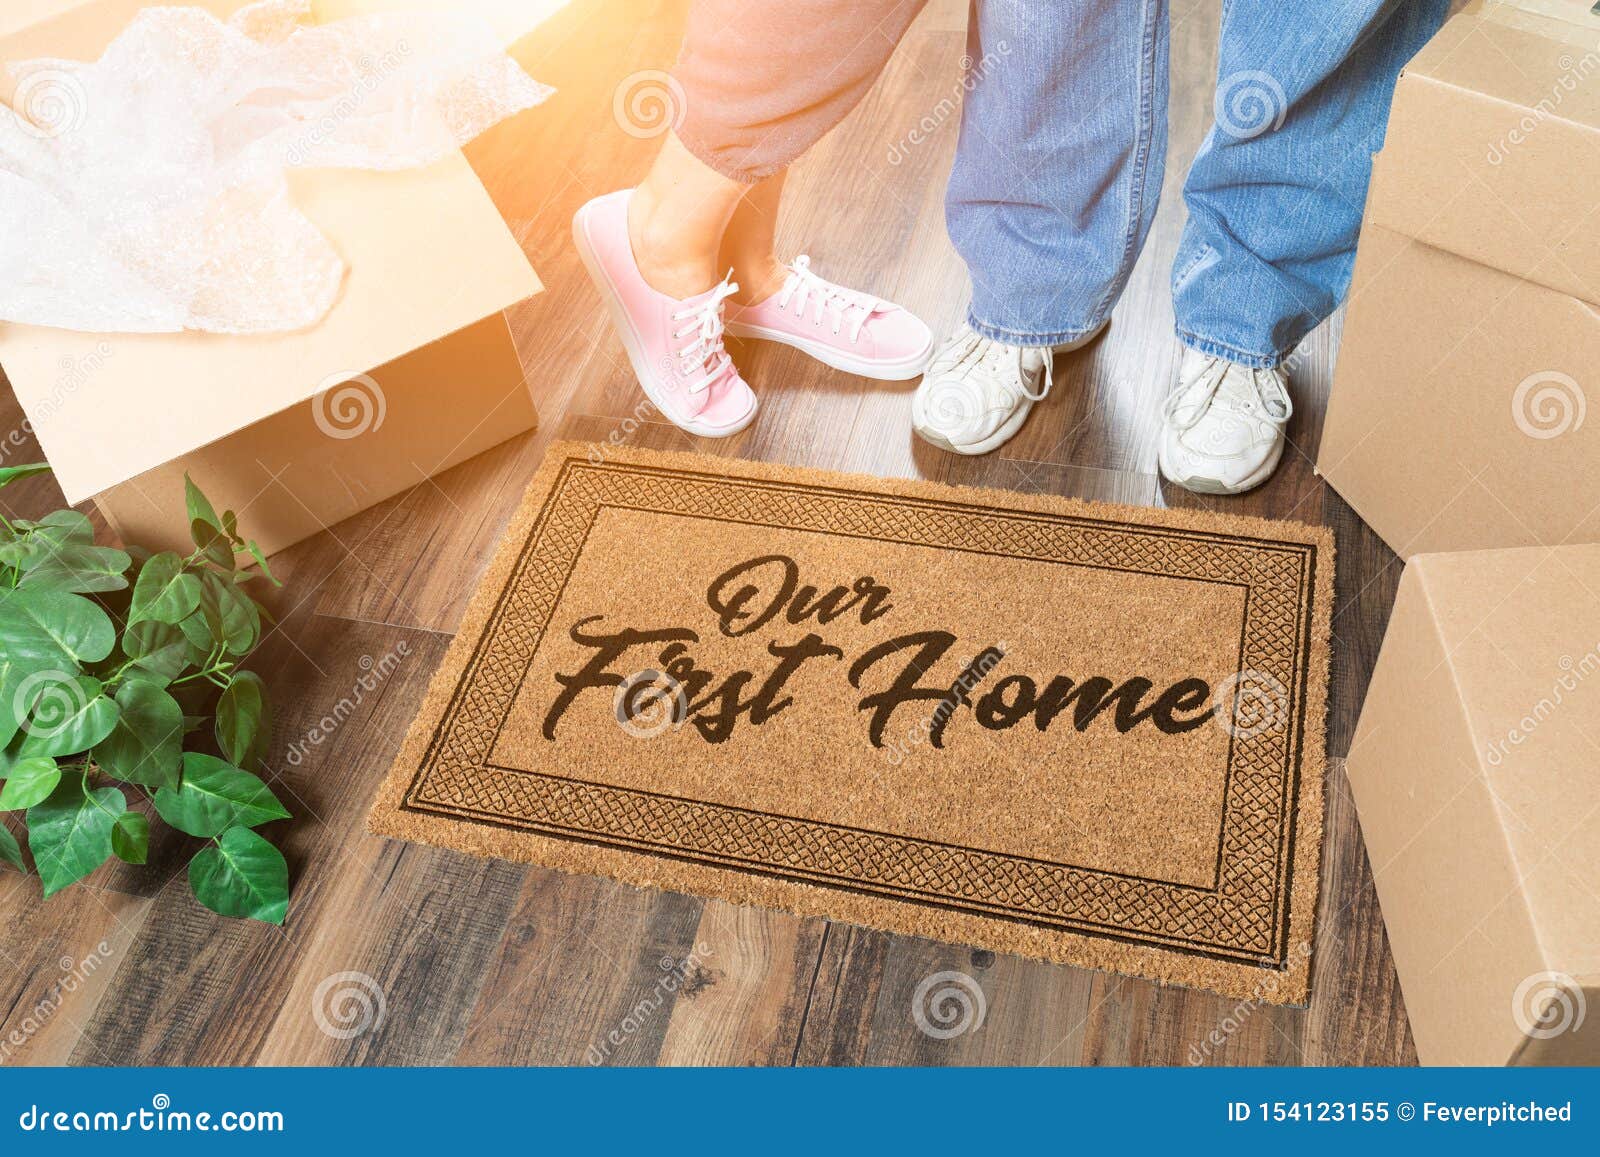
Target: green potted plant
point(120, 679)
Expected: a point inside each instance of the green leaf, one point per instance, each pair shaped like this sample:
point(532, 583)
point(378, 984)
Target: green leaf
point(67, 715)
point(215, 795)
point(45, 628)
point(40, 542)
point(215, 546)
point(12, 675)
point(10, 851)
point(261, 561)
point(9, 474)
point(200, 508)
point(70, 833)
point(25, 553)
point(241, 714)
point(243, 875)
point(146, 745)
point(130, 838)
point(65, 527)
point(164, 592)
point(241, 626)
point(83, 569)
point(29, 780)
point(203, 629)
point(159, 651)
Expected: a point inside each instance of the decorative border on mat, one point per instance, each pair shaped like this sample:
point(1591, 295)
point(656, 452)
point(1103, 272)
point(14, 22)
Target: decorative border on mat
point(1244, 918)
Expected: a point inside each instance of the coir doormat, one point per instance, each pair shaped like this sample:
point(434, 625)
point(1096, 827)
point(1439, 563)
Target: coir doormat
point(1086, 733)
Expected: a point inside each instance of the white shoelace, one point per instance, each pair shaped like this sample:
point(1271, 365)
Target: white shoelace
point(1001, 365)
point(843, 306)
point(1182, 412)
point(705, 353)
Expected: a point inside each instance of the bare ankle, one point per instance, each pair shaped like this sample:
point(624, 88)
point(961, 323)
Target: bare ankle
point(667, 264)
point(758, 278)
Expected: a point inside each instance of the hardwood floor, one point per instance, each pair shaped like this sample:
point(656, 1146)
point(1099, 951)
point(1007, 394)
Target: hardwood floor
point(485, 962)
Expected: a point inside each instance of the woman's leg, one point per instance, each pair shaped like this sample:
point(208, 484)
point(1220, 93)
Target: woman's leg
point(677, 218)
point(689, 225)
point(749, 243)
point(760, 82)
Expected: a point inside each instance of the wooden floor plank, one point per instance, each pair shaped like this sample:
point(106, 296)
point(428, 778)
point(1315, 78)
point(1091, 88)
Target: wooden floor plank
point(755, 970)
point(836, 1028)
point(57, 960)
point(588, 973)
point(1357, 1015)
point(940, 1004)
point(1366, 579)
point(414, 932)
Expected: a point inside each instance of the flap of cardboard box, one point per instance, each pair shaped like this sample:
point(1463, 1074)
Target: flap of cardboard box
point(427, 252)
point(1571, 20)
point(1521, 632)
point(1493, 152)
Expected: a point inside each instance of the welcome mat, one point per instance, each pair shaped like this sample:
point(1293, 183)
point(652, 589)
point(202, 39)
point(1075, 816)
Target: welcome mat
point(1085, 733)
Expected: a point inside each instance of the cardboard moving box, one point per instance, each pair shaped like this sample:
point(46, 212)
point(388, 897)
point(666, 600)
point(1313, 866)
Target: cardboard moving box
point(1471, 346)
point(411, 372)
point(1476, 773)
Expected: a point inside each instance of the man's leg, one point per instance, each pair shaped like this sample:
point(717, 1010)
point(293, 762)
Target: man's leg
point(1275, 198)
point(1060, 160)
point(1275, 195)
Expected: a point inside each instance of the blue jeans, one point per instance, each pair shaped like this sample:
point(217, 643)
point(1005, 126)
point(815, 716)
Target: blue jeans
point(1063, 150)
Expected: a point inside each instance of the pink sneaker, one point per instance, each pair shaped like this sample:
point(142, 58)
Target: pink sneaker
point(675, 345)
point(839, 327)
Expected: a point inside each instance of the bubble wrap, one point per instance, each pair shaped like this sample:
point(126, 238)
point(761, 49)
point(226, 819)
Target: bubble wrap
point(146, 192)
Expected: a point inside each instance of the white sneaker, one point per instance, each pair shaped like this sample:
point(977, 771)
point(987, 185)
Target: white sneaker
point(978, 391)
point(1222, 427)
